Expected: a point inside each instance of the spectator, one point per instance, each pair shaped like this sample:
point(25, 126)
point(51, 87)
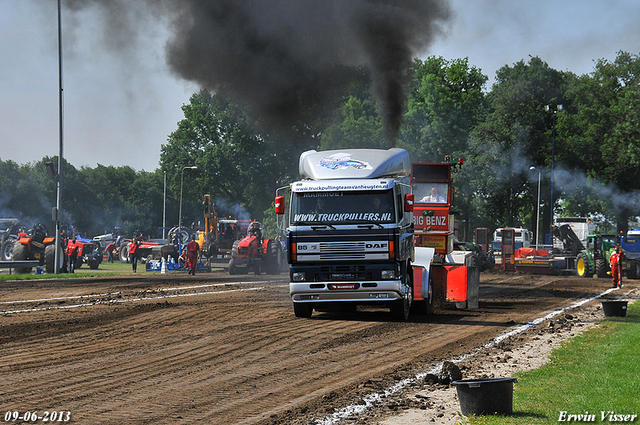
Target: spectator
point(133, 253)
point(110, 248)
point(192, 254)
point(72, 253)
point(615, 260)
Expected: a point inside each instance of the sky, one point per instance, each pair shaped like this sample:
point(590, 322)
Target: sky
point(121, 101)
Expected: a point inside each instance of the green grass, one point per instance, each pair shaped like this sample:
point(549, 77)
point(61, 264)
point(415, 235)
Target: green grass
point(105, 269)
point(596, 372)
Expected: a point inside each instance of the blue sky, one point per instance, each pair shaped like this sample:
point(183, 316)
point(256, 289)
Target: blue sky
point(122, 103)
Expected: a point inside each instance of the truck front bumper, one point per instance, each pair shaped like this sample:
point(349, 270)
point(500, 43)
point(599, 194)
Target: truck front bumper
point(347, 291)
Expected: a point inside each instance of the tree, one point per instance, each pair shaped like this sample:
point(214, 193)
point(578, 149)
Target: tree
point(517, 134)
point(445, 103)
point(602, 134)
point(237, 165)
point(360, 127)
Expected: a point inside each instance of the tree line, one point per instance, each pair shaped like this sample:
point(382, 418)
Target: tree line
point(580, 131)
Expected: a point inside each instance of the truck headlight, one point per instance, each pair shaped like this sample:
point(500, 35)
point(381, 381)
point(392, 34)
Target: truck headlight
point(388, 274)
point(298, 277)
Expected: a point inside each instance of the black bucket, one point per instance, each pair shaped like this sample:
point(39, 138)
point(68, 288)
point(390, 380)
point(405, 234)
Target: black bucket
point(485, 396)
point(614, 308)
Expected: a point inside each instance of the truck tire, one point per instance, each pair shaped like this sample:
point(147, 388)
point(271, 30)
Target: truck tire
point(601, 267)
point(582, 265)
point(232, 267)
point(303, 309)
point(234, 249)
point(7, 249)
point(21, 253)
point(424, 307)
point(634, 270)
point(50, 258)
point(401, 309)
point(123, 252)
point(94, 261)
point(274, 257)
point(183, 233)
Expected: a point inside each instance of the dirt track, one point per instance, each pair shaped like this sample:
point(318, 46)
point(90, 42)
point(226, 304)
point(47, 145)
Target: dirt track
point(217, 349)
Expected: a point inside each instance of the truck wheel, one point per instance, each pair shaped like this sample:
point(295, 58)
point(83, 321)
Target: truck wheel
point(21, 253)
point(634, 271)
point(234, 249)
point(303, 309)
point(123, 252)
point(401, 309)
point(582, 265)
point(50, 258)
point(601, 267)
point(428, 303)
point(93, 262)
point(232, 267)
point(7, 249)
point(274, 257)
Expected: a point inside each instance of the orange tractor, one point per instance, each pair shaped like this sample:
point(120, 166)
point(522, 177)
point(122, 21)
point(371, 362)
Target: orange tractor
point(38, 245)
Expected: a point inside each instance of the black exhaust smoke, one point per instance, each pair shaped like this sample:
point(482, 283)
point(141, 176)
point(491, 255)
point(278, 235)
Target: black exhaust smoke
point(274, 55)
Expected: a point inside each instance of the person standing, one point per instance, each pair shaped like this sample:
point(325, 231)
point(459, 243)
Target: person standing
point(133, 254)
point(110, 248)
point(615, 260)
point(72, 253)
point(192, 254)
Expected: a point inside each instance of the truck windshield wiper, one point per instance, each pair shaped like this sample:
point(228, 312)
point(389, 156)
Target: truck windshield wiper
point(371, 223)
point(324, 226)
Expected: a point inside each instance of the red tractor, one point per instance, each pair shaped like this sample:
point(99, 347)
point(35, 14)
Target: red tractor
point(256, 253)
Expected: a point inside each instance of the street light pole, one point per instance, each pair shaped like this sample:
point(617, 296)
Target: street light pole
point(538, 210)
point(164, 207)
point(182, 181)
point(553, 149)
point(58, 253)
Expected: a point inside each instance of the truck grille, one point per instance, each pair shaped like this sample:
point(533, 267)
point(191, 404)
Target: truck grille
point(343, 250)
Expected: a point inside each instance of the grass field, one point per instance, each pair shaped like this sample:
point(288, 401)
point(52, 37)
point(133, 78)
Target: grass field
point(105, 268)
point(594, 377)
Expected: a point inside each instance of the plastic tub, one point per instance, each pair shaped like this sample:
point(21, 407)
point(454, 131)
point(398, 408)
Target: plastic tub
point(486, 396)
point(614, 308)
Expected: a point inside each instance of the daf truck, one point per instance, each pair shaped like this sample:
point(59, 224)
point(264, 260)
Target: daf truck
point(349, 227)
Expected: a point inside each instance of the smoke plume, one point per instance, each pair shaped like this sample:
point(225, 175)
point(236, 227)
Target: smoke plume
point(274, 55)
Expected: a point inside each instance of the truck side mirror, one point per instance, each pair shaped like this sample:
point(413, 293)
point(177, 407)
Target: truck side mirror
point(280, 205)
point(408, 202)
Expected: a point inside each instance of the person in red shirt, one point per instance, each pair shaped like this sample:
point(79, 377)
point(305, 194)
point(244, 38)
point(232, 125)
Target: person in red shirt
point(72, 253)
point(182, 260)
point(133, 254)
point(110, 249)
point(616, 266)
point(192, 254)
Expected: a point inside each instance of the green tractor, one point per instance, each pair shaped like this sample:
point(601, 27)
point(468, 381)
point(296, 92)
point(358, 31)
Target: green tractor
point(594, 259)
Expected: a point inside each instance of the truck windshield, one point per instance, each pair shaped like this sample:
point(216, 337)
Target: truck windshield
point(430, 193)
point(343, 207)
